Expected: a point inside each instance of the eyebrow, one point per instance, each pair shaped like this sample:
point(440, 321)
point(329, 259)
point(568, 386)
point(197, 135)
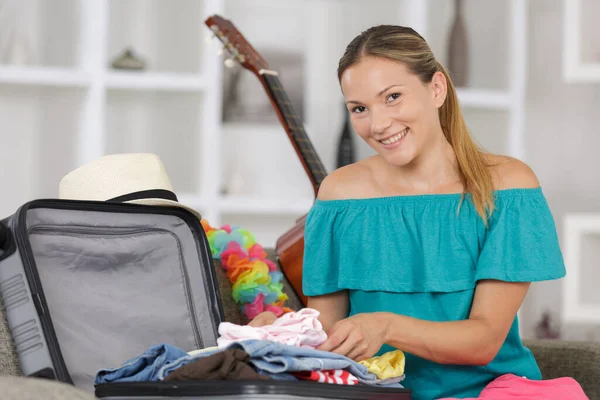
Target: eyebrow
point(378, 94)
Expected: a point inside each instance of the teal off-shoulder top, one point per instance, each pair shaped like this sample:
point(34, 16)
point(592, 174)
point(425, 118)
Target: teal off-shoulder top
point(421, 256)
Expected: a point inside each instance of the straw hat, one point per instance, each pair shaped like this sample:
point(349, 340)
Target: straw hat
point(138, 178)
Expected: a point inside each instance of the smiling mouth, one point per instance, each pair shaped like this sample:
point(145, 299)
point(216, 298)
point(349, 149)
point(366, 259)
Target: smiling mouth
point(396, 137)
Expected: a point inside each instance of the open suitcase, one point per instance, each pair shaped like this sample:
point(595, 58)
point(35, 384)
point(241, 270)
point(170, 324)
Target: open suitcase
point(87, 285)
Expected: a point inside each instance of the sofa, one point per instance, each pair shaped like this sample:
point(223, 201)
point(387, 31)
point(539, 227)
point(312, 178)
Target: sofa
point(556, 358)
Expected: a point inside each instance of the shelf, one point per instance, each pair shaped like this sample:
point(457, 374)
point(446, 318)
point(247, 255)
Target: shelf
point(491, 99)
point(263, 205)
point(491, 71)
point(39, 141)
point(163, 123)
point(156, 81)
point(44, 76)
point(250, 205)
point(489, 129)
point(267, 229)
point(581, 55)
point(167, 35)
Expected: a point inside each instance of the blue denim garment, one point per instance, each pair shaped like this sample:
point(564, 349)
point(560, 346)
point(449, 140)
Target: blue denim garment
point(142, 368)
point(277, 358)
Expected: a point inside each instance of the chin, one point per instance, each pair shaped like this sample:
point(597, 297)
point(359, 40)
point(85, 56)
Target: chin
point(398, 161)
point(398, 158)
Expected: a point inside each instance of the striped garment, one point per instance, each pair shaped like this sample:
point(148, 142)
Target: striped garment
point(338, 376)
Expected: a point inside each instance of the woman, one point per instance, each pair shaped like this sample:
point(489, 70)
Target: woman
point(430, 245)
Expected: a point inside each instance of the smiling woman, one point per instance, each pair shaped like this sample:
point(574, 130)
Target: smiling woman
point(430, 245)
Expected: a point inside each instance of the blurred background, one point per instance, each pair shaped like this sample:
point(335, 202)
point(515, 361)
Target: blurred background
point(84, 78)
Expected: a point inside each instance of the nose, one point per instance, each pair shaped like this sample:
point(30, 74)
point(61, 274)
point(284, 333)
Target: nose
point(380, 121)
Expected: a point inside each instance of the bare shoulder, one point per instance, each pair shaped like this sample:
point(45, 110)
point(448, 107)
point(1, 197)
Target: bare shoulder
point(510, 173)
point(346, 182)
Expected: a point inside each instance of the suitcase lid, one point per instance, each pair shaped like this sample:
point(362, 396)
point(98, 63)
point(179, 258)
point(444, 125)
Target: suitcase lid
point(110, 280)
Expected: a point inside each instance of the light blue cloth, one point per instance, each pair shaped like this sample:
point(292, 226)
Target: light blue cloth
point(141, 368)
point(422, 256)
point(275, 358)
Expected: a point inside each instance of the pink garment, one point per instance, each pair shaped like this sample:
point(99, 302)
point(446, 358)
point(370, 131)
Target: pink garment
point(301, 328)
point(510, 387)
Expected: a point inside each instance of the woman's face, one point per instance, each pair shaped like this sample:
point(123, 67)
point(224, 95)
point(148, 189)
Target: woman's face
point(391, 109)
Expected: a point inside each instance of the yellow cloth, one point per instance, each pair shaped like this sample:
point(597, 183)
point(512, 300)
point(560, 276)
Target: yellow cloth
point(387, 365)
point(200, 351)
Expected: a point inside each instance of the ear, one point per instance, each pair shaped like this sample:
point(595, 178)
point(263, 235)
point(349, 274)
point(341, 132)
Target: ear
point(439, 87)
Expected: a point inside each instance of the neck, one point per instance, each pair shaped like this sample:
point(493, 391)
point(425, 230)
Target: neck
point(435, 171)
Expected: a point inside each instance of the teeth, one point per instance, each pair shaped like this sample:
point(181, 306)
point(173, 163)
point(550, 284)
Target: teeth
point(394, 139)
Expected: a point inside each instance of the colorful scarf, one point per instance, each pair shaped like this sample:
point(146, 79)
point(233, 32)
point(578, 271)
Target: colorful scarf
point(256, 283)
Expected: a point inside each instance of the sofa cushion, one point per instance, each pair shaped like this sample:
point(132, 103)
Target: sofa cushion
point(9, 363)
point(19, 388)
point(578, 360)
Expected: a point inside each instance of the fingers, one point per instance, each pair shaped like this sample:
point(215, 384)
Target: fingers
point(344, 339)
point(336, 336)
point(359, 351)
point(262, 319)
point(350, 345)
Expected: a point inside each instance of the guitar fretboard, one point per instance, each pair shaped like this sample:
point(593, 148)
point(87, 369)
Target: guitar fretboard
point(308, 155)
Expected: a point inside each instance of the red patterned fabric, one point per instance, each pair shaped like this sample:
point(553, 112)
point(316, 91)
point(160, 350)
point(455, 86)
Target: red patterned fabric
point(338, 377)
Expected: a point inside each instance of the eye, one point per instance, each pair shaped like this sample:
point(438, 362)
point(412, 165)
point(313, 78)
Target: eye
point(393, 96)
point(358, 109)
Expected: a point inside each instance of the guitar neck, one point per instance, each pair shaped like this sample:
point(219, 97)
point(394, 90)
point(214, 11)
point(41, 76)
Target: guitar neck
point(306, 152)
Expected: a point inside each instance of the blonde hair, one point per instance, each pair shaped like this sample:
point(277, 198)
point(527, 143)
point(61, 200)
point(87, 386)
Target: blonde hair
point(408, 47)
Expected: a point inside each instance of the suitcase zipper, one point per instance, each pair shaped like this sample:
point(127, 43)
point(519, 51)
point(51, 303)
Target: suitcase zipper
point(85, 231)
point(35, 286)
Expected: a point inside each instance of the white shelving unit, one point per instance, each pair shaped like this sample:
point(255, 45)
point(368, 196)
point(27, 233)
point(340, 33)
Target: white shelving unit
point(44, 76)
point(68, 106)
point(581, 58)
point(507, 97)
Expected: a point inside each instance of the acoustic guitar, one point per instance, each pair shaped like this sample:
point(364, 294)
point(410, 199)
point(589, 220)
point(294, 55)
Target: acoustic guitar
point(289, 248)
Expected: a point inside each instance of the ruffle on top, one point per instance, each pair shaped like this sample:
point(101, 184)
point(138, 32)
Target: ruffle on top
point(425, 243)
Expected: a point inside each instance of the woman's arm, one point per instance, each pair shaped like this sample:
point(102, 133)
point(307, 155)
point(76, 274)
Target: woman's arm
point(474, 341)
point(332, 307)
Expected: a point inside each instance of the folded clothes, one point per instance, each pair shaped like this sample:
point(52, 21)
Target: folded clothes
point(228, 365)
point(141, 368)
point(271, 358)
point(301, 328)
point(274, 360)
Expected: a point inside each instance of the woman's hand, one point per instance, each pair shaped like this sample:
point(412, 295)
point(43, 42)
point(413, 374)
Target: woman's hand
point(358, 337)
point(264, 318)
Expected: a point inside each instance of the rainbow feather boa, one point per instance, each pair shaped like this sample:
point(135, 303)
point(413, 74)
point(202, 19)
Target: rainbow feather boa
point(256, 283)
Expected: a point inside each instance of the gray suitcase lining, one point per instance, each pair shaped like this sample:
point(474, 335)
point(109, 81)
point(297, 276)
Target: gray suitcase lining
point(115, 283)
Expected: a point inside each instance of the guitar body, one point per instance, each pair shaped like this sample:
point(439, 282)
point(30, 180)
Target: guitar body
point(289, 250)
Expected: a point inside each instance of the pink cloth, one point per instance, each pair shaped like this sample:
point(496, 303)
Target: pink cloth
point(510, 387)
point(301, 328)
